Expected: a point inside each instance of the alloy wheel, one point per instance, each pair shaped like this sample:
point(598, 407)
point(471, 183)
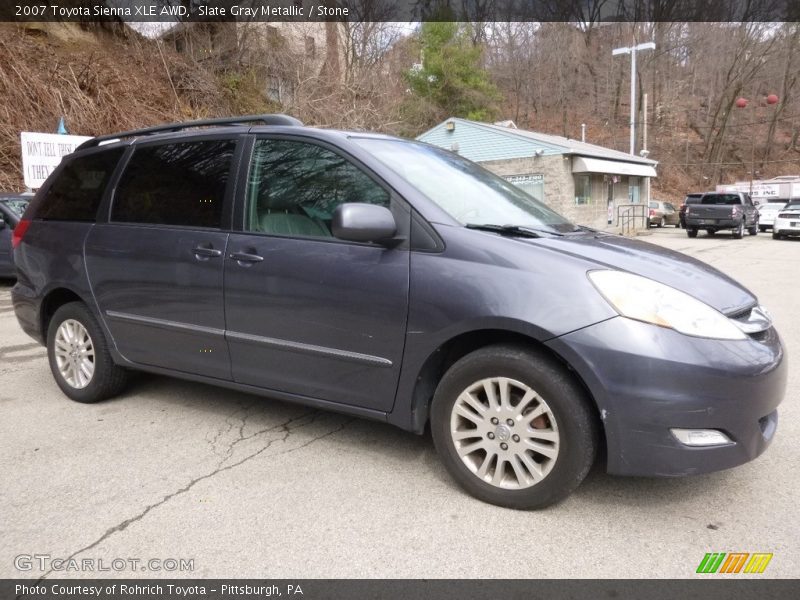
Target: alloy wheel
point(74, 353)
point(505, 433)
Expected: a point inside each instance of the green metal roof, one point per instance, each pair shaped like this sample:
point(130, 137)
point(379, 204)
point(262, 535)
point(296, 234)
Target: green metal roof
point(483, 142)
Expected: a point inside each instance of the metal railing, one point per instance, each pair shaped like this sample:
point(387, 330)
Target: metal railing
point(631, 217)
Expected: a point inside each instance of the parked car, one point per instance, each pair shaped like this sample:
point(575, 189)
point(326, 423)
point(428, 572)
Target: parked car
point(787, 223)
point(767, 213)
point(661, 214)
point(718, 211)
point(689, 199)
point(11, 208)
point(393, 280)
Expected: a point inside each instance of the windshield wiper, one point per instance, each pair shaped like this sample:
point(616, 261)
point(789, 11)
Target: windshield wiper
point(512, 230)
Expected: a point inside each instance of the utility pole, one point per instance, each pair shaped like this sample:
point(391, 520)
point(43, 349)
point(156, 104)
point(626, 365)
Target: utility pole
point(632, 51)
point(644, 125)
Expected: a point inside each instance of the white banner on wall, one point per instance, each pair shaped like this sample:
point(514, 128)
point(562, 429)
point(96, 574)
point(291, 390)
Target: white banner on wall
point(42, 152)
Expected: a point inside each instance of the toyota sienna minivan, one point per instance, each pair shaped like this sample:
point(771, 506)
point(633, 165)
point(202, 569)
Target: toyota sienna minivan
point(395, 281)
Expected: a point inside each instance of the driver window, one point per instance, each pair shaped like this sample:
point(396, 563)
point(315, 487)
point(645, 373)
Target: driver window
point(294, 187)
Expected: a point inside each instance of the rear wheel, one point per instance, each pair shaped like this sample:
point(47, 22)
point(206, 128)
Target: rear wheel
point(776, 235)
point(738, 233)
point(754, 229)
point(692, 233)
point(662, 222)
point(79, 357)
point(513, 428)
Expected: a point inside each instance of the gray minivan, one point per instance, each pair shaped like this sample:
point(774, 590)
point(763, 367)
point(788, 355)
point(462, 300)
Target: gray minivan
point(395, 281)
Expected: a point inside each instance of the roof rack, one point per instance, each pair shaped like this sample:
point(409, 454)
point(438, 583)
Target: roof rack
point(262, 119)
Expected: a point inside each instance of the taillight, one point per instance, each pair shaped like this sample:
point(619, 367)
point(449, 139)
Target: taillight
point(735, 211)
point(19, 231)
point(652, 213)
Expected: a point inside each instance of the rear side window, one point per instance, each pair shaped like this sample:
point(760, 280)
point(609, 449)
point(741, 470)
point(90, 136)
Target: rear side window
point(76, 193)
point(175, 184)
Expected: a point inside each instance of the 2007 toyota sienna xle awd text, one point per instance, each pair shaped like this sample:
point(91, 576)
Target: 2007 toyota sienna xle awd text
point(395, 281)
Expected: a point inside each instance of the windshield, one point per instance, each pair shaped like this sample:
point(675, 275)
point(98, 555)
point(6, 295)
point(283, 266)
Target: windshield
point(469, 193)
point(654, 205)
point(773, 205)
point(17, 205)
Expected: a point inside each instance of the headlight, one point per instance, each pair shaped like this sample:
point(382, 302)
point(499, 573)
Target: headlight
point(646, 300)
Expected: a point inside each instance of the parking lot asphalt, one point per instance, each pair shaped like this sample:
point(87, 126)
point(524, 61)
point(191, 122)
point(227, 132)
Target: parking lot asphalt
point(250, 487)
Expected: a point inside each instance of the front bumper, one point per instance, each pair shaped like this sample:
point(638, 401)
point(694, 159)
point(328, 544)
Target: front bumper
point(647, 379)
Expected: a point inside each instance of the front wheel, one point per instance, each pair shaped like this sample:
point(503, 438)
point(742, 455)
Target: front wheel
point(754, 229)
point(692, 233)
point(776, 235)
point(79, 357)
point(513, 428)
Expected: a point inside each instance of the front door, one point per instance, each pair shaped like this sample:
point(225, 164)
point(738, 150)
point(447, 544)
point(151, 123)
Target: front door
point(156, 267)
point(306, 313)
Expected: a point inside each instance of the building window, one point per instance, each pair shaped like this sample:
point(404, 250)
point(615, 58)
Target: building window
point(583, 189)
point(533, 184)
point(633, 190)
point(274, 89)
point(311, 47)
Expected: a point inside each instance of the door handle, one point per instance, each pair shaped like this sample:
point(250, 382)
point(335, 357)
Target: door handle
point(203, 252)
point(245, 257)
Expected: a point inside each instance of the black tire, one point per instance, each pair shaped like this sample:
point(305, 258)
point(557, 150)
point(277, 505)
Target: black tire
point(108, 379)
point(574, 415)
point(753, 230)
point(761, 228)
point(711, 231)
point(738, 233)
point(662, 222)
point(776, 235)
point(692, 233)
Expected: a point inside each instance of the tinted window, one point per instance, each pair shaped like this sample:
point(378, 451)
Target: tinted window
point(721, 199)
point(78, 189)
point(175, 184)
point(294, 188)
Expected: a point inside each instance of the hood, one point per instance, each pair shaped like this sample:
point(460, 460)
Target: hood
point(671, 268)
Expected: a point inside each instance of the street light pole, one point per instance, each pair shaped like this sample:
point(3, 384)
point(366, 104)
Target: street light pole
point(632, 50)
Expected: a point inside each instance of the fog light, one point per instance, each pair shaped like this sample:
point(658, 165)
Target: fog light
point(701, 437)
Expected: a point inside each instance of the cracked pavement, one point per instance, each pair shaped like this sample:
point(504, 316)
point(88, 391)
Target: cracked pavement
point(252, 487)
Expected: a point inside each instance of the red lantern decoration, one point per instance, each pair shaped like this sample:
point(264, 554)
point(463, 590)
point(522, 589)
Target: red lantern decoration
point(741, 102)
point(772, 99)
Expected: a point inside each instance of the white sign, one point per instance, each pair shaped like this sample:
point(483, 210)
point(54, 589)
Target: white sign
point(766, 190)
point(42, 152)
point(796, 190)
point(762, 191)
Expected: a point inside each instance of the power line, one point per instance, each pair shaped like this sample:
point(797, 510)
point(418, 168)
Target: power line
point(741, 162)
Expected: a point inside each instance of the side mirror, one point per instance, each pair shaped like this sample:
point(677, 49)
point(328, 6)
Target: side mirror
point(360, 222)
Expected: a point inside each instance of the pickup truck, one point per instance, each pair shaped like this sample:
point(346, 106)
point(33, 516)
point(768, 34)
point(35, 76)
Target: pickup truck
point(722, 210)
